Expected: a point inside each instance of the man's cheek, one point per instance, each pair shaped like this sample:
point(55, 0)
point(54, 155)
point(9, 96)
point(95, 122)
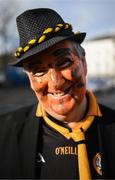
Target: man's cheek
point(80, 93)
point(37, 85)
point(72, 73)
point(80, 82)
point(76, 72)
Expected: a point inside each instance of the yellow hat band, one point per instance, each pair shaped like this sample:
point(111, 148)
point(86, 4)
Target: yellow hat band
point(43, 37)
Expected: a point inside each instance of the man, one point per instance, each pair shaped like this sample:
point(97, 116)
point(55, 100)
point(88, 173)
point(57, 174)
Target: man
point(68, 135)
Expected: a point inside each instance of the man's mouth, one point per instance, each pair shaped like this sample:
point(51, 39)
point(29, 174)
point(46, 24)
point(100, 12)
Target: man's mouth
point(61, 93)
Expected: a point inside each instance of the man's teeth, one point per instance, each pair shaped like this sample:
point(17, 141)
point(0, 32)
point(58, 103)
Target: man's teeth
point(59, 93)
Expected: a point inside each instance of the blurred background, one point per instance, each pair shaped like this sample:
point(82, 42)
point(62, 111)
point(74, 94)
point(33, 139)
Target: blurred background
point(96, 17)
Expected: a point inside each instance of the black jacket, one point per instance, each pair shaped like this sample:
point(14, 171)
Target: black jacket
point(19, 131)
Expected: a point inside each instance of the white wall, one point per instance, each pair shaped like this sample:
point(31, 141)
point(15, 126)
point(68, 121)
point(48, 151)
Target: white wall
point(100, 55)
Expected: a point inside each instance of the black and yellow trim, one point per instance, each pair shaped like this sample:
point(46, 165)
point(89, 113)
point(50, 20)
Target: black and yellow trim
point(44, 36)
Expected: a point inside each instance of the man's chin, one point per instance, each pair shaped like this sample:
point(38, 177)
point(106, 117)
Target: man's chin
point(61, 116)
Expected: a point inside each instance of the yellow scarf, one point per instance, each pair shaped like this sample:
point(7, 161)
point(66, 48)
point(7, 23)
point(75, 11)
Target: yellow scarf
point(77, 134)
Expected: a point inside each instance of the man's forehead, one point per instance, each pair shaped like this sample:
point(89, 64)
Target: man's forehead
point(59, 50)
point(60, 45)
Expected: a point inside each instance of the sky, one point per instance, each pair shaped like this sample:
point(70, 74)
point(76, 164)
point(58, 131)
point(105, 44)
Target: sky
point(95, 17)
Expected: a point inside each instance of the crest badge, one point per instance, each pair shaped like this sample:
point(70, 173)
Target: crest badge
point(97, 163)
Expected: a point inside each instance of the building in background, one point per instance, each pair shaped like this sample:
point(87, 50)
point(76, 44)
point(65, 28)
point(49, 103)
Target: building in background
point(100, 54)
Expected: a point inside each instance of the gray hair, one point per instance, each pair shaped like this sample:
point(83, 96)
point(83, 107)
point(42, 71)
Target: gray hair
point(78, 49)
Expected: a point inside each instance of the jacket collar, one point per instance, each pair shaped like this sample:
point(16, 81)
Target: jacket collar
point(28, 145)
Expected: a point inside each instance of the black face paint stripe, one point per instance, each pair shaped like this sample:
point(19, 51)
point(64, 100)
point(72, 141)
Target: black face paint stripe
point(80, 82)
point(80, 85)
point(75, 72)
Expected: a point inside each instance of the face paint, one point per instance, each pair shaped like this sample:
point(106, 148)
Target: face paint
point(61, 87)
point(75, 72)
point(61, 52)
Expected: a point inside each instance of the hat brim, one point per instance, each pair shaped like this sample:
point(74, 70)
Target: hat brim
point(45, 45)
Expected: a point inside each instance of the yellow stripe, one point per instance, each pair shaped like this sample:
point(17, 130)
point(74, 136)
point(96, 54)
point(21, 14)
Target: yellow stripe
point(93, 106)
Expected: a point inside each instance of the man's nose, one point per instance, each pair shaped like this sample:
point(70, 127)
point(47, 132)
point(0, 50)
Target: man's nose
point(56, 80)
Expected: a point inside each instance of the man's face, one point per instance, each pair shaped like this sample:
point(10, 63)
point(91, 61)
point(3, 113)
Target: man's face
point(58, 78)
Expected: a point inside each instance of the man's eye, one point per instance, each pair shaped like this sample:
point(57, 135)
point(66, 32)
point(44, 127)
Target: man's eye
point(64, 63)
point(39, 74)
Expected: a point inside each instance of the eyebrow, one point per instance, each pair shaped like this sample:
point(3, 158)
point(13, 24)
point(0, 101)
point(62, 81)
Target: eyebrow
point(61, 52)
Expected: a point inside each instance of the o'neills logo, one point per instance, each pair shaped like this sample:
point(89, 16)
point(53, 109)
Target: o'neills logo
point(65, 150)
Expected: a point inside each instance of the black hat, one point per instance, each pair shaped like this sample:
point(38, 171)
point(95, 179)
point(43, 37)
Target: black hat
point(40, 29)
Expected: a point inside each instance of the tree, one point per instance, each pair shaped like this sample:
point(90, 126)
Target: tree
point(7, 11)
